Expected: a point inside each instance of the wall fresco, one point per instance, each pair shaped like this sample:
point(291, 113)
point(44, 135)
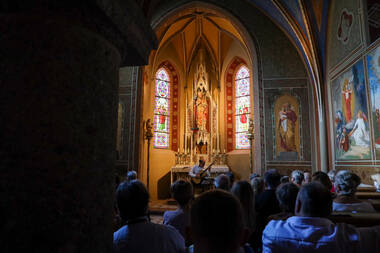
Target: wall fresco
point(351, 128)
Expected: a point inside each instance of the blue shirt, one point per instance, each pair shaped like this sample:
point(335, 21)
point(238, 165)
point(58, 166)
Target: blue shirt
point(148, 237)
point(312, 234)
point(179, 219)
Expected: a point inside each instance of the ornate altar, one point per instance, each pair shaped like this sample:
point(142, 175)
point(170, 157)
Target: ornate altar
point(201, 134)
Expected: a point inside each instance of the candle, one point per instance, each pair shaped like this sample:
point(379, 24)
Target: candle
point(224, 151)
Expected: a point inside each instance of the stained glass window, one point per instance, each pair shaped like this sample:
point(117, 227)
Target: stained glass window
point(242, 107)
point(161, 109)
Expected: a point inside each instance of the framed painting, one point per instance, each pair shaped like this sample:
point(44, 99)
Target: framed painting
point(373, 64)
point(287, 128)
point(350, 109)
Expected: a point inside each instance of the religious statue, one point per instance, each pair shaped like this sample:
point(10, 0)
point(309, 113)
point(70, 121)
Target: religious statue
point(148, 129)
point(286, 128)
point(201, 110)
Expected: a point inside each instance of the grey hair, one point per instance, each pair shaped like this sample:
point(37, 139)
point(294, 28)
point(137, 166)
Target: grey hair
point(222, 182)
point(332, 174)
point(298, 176)
point(346, 182)
point(257, 185)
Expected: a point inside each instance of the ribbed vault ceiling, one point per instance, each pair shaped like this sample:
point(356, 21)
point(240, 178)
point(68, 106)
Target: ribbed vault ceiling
point(189, 29)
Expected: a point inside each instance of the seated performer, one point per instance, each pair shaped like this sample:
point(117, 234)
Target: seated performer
point(197, 169)
point(199, 174)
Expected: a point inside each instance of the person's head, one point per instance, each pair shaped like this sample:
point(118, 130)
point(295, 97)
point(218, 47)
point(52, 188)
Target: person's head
point(202, 162)
point(286, 107)
point(284, 179)
point(272, 179)
point(257, 185)
point(131, 175)
point(222, 182)
point(297, 177)
point(244, 192)
point(322, 178)
point(216, 222)
point(346, 182)
point(182, 192)
point(231, 176)
point(313, 200)
point(132, 199)
point(286, 195)
point(306, 177)
point(253, 175)
point(332, 174)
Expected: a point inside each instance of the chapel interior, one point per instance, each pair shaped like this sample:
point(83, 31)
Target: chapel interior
point(94, 89)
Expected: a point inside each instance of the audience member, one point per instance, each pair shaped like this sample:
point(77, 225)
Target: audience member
point(346, 184)
point(297, 177)
point(286, 196)
point(253, 175)
point(244, 192)
point(284, 179)
point(266, 203)
point(231, 176)
point(322, 178)
point(139, 235)
point(332, 174)
point(222, 182)
point(182, 192)
point(131, 175)
point(216, 223)
point(311, 231)
point(306, 177)
point(257, 184)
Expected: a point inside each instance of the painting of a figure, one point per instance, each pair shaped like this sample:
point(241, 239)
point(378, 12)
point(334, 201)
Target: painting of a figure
point(286, 110)
point(352, 137)
point(373, 60)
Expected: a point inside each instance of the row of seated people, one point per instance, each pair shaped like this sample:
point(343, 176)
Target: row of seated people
point(236, 219)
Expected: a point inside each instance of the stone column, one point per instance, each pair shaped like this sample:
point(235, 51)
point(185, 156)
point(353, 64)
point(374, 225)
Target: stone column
point(58, 111)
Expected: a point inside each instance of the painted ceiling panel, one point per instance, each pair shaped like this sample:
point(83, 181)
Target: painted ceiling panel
point(225, 41)
point(225, 25)
point(296, 12)
point(178, 45)
point(211, 33)
point(190, 37)
point(318, 11)
point(174, 28)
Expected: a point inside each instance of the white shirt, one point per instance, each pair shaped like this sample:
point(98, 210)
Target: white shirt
point(196, 169)
point(147, 238)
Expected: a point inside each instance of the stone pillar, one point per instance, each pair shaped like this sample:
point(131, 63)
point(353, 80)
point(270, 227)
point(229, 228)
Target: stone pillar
point(58, 111)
